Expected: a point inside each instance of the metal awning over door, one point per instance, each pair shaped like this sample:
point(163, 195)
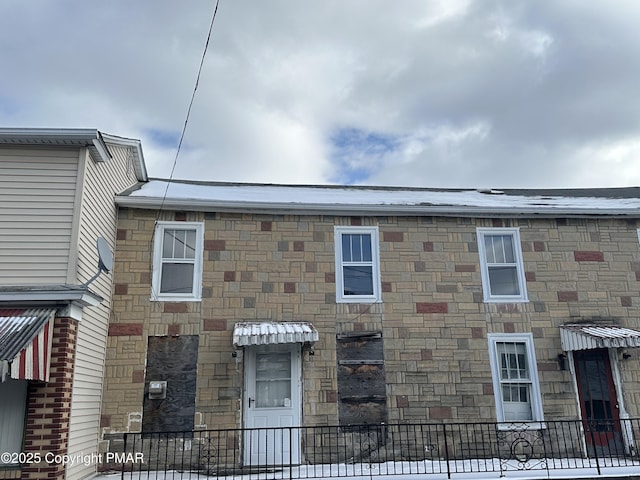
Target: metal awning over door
point(272, 333)
point(25, 343)
point(581, 336)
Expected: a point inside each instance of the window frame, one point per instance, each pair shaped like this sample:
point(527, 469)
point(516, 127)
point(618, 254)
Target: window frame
point(535, 397)
point(518, 263)
point(156, 281)
point(375, 297)
point(14, 395)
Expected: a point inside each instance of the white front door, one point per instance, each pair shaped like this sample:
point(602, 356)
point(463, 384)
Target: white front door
point(272, 398)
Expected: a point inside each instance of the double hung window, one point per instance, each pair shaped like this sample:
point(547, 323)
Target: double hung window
point(515, 378)
point(357, 264)
point(177, 265)
point(501, 265)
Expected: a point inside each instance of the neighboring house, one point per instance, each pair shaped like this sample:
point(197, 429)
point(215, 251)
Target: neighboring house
point(243, 305)
point(57, 189)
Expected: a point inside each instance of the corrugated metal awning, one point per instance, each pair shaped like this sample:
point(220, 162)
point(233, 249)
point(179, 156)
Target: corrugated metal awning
point(25, 343)
point(270, 333)
point(581, 336)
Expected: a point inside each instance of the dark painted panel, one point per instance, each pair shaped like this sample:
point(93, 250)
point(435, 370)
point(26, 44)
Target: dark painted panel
point(361, 379)
point(174, 360)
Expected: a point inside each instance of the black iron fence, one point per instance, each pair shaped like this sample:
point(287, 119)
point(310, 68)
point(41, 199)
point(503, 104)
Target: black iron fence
point(442, 450)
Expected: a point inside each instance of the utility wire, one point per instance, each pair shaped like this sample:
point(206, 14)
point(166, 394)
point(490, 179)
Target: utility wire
point(193, 96)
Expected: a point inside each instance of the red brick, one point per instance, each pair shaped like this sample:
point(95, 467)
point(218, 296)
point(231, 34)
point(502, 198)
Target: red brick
point(487, 389)
point(356, 221)
point(625, 301)
point(439, 413)
point(229, 276)
point(214, 325)
point(530, 276)
point(289, 287)
point(386, 287)
point(567, 296)
point(298, 246)
point(121, 234)
point(393, 236)
point(539, 247)
point(588, 256)
point(181, 216)
point(427, 246)
point(266, 226)
point(137, 376)
point(509, 327)
point(437, 307)
point(331, 396)
point(330, 277)
point(426, 354)
point(477, 332)
point(215, 245)
point(125, 329)
point(173, 330)
point(402, 401)
point(465, 268)
point(121, 289)
point(177, 307)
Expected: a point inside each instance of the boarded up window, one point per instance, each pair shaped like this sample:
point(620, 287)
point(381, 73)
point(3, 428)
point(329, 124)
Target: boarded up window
point(174, 360)
point(361, 382)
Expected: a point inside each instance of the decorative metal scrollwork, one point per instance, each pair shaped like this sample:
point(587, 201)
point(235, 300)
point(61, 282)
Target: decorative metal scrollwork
point(521, 447)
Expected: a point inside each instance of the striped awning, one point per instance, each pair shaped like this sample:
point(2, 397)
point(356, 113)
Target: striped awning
point(25, 343)
point(270, 333)
point(580, 336)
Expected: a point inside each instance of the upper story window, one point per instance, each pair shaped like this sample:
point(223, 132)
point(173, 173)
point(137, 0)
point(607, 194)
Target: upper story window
point(177, 261)
point(357, 264)
point(501, 265)
point(515, 378)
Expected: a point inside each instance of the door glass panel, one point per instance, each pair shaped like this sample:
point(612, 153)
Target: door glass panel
point(273, 380)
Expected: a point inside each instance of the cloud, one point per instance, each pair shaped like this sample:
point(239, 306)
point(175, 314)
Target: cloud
point(432, 93)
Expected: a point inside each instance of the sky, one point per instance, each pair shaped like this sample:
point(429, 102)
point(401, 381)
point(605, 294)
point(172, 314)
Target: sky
point(428, 93)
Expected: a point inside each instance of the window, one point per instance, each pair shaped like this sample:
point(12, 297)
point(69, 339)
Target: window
point(515, 378)
point(13, 398)
point(177, 261)
point(357, 264)
point(501, 265)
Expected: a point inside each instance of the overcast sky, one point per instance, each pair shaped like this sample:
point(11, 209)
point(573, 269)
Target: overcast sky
point(451, 93)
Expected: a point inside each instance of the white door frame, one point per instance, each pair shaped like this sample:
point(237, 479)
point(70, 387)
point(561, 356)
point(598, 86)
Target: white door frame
point(272, 447)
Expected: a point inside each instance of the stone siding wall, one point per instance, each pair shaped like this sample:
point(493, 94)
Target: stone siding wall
point(433, 318)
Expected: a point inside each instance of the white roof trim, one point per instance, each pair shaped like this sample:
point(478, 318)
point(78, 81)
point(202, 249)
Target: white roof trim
point(590, 336)
point(272, 333)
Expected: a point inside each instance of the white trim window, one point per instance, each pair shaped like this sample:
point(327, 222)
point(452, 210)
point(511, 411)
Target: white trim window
point(515, 378)
point(177, 261)
point(501, 265)
point(357, 264)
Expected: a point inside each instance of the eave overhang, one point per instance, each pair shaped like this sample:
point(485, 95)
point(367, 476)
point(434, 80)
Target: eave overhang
point(92, 139)
point(303, 208)
point(78, 296)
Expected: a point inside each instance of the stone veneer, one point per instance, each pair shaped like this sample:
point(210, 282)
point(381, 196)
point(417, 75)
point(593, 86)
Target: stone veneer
point(433, 319)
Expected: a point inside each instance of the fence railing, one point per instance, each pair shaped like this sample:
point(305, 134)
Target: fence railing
point(442, 450)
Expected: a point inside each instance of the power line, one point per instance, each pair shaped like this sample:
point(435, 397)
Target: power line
point(193, 96)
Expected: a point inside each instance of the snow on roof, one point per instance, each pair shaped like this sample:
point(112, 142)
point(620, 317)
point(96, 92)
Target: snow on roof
point(380, 200)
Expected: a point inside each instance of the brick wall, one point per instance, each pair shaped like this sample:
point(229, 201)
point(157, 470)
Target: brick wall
point(49, 405)
point(433, 319)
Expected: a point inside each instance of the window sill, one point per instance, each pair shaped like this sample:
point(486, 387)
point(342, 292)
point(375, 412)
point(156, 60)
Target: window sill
point(359, 300)
point(506, 300)
point(175, 299)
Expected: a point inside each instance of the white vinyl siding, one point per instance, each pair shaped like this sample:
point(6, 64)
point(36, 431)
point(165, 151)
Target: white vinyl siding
point(501, 265)
point(177, 261)
point(515, 378)
point(98, 218)
point(357, 264)
point(37, 196)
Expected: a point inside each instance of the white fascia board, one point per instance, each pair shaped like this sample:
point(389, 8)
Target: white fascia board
point(365, 209)
point(83, 298)
point(136, 146)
